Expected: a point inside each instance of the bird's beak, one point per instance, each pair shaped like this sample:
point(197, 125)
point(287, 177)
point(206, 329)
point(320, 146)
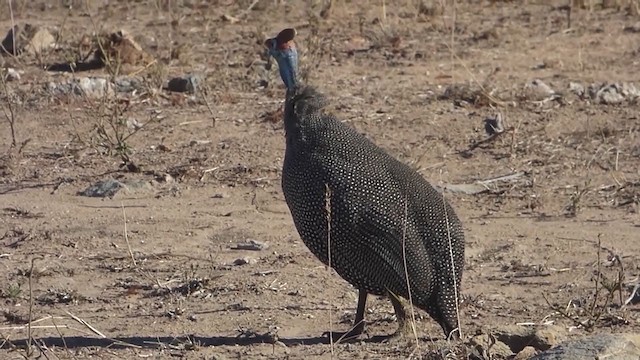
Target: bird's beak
point(267, 54)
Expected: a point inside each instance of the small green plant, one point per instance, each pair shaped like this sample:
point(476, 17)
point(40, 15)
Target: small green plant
point(12, 292)
point(110, 131)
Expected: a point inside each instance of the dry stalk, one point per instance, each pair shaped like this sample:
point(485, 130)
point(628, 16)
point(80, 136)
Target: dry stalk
point(29, 334)
point(453, 35)
point(327, 206)
point(599, 271)
point(453, 268)
point(126, 236)
point(384, 11)
point(42, 56)
point(205, 97)
point(33, 327)
point(87, 325)
point(9, 111)
point(13, 28)
point(406, 270)
point(64, 342)
point(597, 308)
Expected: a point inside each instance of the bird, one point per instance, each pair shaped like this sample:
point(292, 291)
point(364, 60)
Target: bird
point(359, 210)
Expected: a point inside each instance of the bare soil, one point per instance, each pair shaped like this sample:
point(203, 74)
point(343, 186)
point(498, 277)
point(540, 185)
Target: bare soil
point(210, 166)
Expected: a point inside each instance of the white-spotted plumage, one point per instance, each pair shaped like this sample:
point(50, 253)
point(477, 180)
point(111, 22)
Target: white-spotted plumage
point(377, 204)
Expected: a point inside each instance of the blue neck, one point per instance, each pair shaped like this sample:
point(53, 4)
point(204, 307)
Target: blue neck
point(288, 66)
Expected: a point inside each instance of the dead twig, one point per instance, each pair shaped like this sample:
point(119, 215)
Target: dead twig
point(126, 237)
point(29, 334)
point(327, 206)
point(86, 324)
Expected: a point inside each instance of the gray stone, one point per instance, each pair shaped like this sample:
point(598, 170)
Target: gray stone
point(244, 261)
point(601, 346)
point(188, 83)
point(92, 87)
point(577, 89)
point(95, 87)
point(107, 188)
point(125, 84)
point(610, 94)
point(251, 244)
point(614, 93)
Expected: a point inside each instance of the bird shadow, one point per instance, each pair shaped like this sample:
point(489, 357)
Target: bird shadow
point(75, 67)
point(73, 342)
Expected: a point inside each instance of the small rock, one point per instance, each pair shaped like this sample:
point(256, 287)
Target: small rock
point(539, 66)
point(244, 261)
point(635, 28)
point(601, 346)
point(126, 84)
point(188, 83)
point(199, 142)
point(162, 147)
point(120, 47)
point(251, 244)
point(537, 90)
point(29, 38)
point(609, 94)
point(487, 345)
point(494, 125)
point(577, 89)
point(12, 75)
point(40, 41)
point(634, 298)
point(462, 94)
point(93, 87)
point(107, 188)
point(526, 353)
point(547, 336)
point(134, 124)
point(615, 93)
point(519, 337)
point(630, 91)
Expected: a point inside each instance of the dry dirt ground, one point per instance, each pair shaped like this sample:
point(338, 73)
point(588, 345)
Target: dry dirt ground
point(204, 175)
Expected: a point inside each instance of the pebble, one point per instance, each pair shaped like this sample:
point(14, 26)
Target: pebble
point(188, 83)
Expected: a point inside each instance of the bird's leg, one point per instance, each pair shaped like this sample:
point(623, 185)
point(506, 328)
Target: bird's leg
point(405, 327)
point(358, 324)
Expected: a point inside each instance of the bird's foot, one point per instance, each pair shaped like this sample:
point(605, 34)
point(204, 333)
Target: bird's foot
point(404, 333)
point(406, 330)
point(339, 336)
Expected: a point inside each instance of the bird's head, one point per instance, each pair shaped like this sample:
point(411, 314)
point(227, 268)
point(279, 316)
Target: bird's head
point(283, 49)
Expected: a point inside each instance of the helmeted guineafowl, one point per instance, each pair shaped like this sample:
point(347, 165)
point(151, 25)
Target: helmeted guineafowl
point(387, 224)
